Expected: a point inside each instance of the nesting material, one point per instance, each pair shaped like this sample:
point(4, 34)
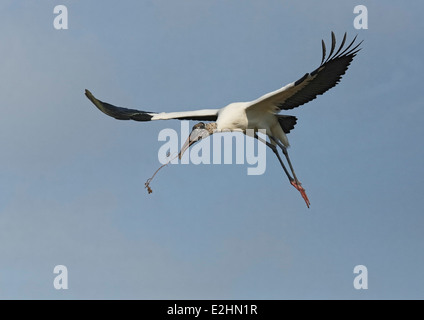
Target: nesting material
point(148, 181)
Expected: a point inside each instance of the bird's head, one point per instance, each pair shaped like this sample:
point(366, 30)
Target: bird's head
point(198, 132)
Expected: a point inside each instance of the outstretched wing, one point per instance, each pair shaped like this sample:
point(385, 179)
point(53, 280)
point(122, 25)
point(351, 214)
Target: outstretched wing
point(307, 88)
point(138, 115)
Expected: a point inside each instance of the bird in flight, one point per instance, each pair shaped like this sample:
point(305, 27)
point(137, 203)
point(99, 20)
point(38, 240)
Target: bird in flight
point(262, 113)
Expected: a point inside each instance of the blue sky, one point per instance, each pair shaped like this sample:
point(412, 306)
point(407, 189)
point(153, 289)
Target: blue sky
point(72, 179)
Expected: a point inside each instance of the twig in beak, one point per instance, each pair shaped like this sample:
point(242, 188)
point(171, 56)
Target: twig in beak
point(147, 184)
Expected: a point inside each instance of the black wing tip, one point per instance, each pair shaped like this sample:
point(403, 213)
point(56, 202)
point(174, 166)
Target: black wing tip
point(327, 75)
point(89, 95)
point(323, 51)
point(95, 101)
point(118, 113)
point(333, 45)
point(347, 51)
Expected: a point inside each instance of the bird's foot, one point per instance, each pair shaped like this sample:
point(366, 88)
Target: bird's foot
point(302, 191)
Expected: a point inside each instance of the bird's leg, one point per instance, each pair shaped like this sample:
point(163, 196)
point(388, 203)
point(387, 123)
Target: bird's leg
point(294, 182)
point(274, 149)
point(286, 154)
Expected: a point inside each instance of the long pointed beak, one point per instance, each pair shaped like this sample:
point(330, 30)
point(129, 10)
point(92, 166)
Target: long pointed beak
point(192, 138)
point(186, 145)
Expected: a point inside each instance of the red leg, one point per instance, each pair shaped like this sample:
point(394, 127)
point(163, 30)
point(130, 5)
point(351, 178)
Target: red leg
point(302, 191)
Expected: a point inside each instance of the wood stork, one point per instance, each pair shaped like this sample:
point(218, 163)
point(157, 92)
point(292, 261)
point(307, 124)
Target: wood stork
point(261, 113)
